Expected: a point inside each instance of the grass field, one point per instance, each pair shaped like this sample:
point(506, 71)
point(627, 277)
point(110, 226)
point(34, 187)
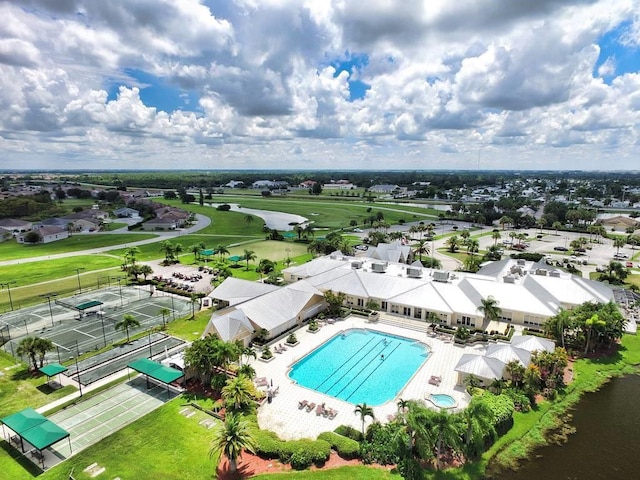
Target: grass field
point(59, 276)
point(12, 250)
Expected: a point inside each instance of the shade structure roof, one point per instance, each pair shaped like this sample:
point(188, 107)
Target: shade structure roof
point(36, 429)
point(155, 370)
point(235, 258)
point(532, 343)
point(53, 369)
point(207, 252)
point(24, 420)
point(90, 304)
point(480, 366)
point(509, 353)
point(45, 434)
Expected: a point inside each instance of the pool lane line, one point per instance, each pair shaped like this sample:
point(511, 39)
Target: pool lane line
point(372, 372)
point(385, 345)
point(347, 361)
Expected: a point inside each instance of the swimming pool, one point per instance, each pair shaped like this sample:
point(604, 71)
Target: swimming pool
point(361, 365)
point(442, 400)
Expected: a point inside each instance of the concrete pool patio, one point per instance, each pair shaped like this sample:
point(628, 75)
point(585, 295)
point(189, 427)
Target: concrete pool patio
point(284, 417)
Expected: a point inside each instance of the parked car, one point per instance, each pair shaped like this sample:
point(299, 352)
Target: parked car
point(629, 264)
point(560, 249)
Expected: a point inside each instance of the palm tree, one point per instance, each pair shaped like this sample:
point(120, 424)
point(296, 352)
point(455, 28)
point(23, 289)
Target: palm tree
point(420, 248)
point(222, 250)
point(167, 248)
point(490, 309)
point(496, 236)
point(246, 371)
point(195, 249)
point(237, 392)
point(165, 313)
point(130, 256)
point(42, 346)
point(249, 256)
point(145, 270)
point(248, 219)
point(618, 243)
point(402, 405)
point(364, 411)
point(556, 226)
point(558, 325)
point(27, 348)
point(128, 321)
point(230, 438)
point(473, 246)
point(477, 418)
point(452, 243)
point(446, 431)
point(592, 323)
point(309, 231)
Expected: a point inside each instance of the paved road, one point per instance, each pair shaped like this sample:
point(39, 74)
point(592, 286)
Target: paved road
point(202, 221)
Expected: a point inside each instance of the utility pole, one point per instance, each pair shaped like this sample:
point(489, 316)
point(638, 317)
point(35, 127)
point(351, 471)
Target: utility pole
point(78, 270)
point(48, 297)
point(8, 285)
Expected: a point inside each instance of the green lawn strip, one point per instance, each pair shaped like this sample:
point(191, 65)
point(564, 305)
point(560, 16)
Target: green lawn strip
point(460, 256)
point(189, 329)
point(346, 473)
point(162, 444)
point(19, 388)
point(330, 214)
point(59, 276)
point(13, 251)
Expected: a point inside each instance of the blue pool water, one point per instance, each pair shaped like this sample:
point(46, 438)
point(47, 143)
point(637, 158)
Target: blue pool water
point(442, 400)
point(361, 366)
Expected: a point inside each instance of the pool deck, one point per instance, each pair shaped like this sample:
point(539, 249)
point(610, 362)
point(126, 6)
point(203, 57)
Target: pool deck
point(284, 417)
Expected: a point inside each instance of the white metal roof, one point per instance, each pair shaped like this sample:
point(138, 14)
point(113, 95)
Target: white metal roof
point(236, 290)
point(507, 353)
point(533, 343)
point(480, 366)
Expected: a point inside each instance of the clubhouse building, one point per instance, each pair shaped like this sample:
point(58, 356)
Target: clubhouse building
point(528, 293)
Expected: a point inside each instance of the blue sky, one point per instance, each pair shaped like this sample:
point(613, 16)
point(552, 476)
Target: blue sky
point(328, 85)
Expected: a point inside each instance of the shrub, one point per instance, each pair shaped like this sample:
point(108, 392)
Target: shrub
point(303, 453)
point(291, 339)
point(381, 444)
point(268, 445)
point(346, 447)
point(266, 353)
point(349, 432)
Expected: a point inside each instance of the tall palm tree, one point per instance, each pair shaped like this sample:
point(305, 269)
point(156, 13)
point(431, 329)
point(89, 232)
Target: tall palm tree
point(230, 438)
point(167, 248)
point(248, 219)
point(364, 411)
point(249, 256)
point(237, 392)
point(473, 246)
point(128, 321)
point(557, 325)
point(618, 243)
point(222, 250)
point(490, 309)
point(420, 248)
point(496, 236)
point(42, 346)
point(478, 420)
point(27, 348)
point(453, 242)
point(594, 322)
point(165, 312)
point(446, 431)
point(195, 249)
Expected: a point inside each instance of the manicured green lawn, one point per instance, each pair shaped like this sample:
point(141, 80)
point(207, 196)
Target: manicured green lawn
point(11, 250)
point(20, 389)
point(189, 329)
point(37, 278)
point(162, 445)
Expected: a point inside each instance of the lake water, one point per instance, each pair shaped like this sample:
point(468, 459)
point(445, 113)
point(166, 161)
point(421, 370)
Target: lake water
point(606, 444)
point(276, 220)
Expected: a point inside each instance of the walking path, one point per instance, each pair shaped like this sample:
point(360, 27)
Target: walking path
point(202, 222)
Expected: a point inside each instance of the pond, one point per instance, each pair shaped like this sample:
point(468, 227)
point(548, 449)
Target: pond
point(606, 443)
point(276, 220)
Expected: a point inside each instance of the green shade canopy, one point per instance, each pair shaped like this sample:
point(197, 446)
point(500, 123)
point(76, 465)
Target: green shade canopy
point(155, 370)
point(43, 435)
point(85, 305)
point(36, 429)
point(235, 258)
point(207, 253)
point(53, 369)
point(24, 420)
point(289, 235)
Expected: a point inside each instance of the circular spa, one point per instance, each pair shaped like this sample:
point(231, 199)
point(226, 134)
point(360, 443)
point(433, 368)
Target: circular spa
point(361, 365)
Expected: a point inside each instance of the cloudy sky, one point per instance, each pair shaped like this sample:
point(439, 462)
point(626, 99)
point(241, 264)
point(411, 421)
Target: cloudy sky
point(326, 84)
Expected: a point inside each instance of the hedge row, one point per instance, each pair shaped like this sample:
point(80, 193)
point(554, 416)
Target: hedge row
point(349, 432)
point(300, 454)
point(346, 447)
